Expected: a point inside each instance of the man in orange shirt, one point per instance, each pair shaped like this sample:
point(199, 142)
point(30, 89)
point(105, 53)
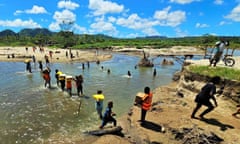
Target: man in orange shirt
point(69, 85)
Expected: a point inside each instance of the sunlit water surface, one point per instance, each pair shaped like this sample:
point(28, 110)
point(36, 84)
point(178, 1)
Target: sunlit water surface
point(30, 113)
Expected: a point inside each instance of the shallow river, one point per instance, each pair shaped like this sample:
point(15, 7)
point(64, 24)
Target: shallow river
point(30, 113)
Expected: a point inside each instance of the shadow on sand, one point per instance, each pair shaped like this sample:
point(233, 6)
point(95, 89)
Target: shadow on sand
point(151, 126)
point(215, 122)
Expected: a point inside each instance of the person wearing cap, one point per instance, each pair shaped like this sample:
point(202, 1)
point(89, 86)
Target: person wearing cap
point(220, 46)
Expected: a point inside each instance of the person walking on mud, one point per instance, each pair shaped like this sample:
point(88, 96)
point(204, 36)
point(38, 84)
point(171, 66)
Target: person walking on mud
point(108, 116)
point(146, 103)
point(203, 97)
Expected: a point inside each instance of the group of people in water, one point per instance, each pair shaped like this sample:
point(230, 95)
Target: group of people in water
point(65, 83)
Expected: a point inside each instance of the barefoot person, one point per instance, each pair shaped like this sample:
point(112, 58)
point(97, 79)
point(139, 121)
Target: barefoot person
point(203, 98)
point(108, 116)
point(147, 103)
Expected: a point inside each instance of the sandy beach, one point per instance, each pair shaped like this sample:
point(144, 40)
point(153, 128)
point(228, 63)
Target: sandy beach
point(20, 54)
point(59, 55)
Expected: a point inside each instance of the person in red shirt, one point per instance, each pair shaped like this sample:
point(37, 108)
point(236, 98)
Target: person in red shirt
point(47, 77)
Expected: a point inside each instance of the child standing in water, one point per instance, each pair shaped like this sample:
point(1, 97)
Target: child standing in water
point(69, 85)
point(47, 77)
point(79, 81)
point(129, 74)
point(99, 97)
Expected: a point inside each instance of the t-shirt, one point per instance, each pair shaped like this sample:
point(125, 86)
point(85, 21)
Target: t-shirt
point(205, 93)
point(221, 47)
point(107, 113)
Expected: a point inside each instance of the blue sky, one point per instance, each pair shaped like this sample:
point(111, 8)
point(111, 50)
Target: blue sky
point(125, 18)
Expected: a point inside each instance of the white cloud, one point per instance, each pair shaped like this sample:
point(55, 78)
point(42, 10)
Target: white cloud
point(101, 7)
point(68, 5)
point(80, 29)
point(218, 2)
point(150, 32)
point(183, 1)
point(235, 14)
point(20, 23)
point(54, 26)
point(35, 10)
point(65, 19)
point(135, 22)
point(112, 19)
point(198, 25)
point(167, 18)
point(224, 23)
point(100, 26)
point(64, 16)
point(75, 28)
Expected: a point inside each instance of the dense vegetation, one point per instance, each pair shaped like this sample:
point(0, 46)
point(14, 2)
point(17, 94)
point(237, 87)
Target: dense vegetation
point(44, 37)
point(224, 72)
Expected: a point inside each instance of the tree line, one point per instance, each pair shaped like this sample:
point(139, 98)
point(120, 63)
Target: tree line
point(65, 39)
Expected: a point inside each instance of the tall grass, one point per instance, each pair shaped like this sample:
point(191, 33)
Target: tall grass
point(224, 72)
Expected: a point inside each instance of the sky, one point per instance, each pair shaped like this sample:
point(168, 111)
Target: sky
point(124, 18)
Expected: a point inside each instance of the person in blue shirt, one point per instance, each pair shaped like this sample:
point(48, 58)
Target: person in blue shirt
point(108, 116)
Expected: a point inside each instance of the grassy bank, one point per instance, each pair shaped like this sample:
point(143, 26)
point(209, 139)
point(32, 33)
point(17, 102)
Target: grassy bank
point(224, 72)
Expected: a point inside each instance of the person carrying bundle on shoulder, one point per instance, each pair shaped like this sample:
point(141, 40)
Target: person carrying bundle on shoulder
point(146, 103)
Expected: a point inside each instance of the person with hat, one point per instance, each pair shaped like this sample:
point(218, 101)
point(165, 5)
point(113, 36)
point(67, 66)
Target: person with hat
point(220, 46)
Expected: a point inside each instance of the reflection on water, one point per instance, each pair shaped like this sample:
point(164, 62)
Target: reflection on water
point(30, 113)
